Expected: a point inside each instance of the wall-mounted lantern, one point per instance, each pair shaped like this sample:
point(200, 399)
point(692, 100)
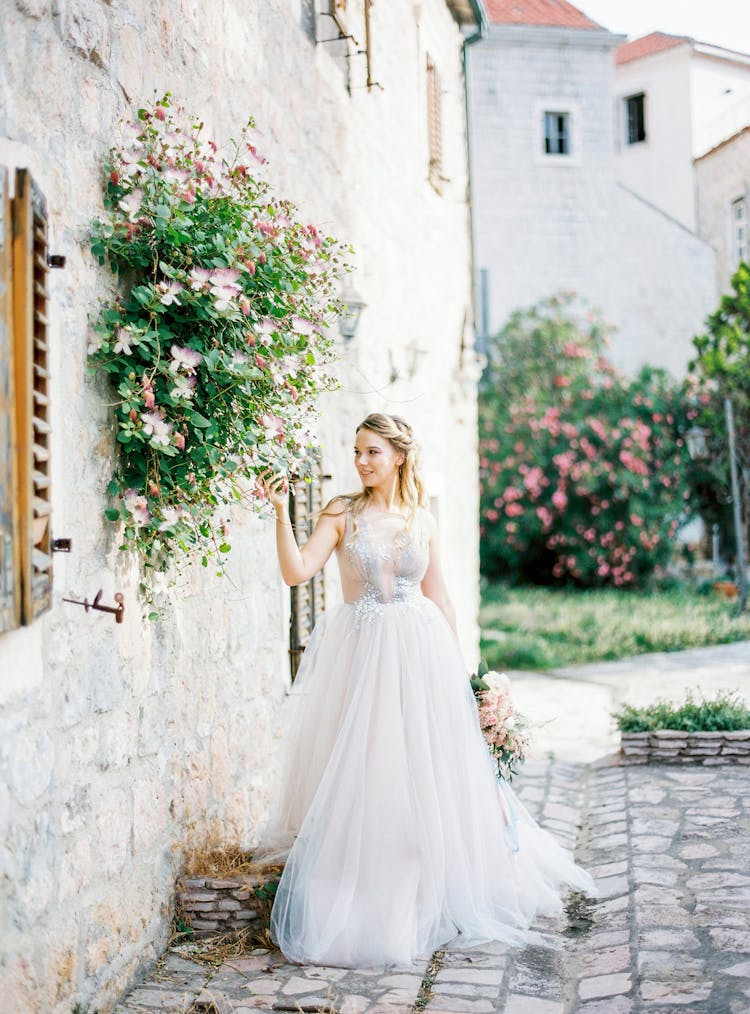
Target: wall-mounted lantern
point(352, 308)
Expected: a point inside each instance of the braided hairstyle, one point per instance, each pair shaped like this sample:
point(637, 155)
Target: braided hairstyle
point(410, 485)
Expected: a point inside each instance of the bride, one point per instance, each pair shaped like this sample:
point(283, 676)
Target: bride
point(397, 836)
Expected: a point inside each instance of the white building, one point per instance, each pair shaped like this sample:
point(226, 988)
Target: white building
point(549, 212)
point(676, 99)
point(120, 745)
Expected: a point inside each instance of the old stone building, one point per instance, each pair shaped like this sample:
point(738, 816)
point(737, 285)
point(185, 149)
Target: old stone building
point(122, 745)
point(722, 178)
point(549, 211)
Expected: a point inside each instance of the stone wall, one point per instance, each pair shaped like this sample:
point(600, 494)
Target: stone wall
point(544, 225)
point(722, 176)
point(122, 745)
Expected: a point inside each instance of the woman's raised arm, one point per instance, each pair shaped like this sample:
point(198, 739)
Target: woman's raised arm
point(300, 564)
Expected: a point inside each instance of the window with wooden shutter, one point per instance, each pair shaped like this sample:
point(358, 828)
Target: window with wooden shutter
point(308, 600)
point(10, 598)
point(434, 126)
point(31, 374)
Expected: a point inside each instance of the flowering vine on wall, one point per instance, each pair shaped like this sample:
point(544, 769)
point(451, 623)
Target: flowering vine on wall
point(216, 343)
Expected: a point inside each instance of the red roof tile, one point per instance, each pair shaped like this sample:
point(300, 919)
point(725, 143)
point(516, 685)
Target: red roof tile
point(557, 13)
point(656, 42)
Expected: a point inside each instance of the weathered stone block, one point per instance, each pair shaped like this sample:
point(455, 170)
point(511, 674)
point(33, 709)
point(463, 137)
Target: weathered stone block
point(670, 746)
point(34, 8)
point(86, 28)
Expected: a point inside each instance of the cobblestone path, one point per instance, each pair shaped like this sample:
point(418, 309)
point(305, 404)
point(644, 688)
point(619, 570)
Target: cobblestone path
point(670, 849)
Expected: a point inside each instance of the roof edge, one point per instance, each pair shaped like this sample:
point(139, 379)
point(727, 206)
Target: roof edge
point(723, 143)
point(554, 34)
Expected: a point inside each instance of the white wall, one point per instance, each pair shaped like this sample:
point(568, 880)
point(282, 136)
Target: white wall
point(121, 744)
point(719, 97)
point(659, 168)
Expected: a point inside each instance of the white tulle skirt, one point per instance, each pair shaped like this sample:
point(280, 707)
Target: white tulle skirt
point(397, 835)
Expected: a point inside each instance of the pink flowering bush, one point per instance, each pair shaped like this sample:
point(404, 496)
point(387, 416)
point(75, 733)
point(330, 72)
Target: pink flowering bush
point(216, 342)
point(582, 470)
point(503, 727)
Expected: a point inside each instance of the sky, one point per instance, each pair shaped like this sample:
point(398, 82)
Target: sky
point(721, 22)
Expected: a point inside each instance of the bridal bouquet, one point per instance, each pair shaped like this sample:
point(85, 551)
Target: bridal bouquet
point(503, 727)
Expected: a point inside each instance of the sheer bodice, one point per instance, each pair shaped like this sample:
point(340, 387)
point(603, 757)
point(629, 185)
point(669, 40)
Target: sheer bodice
point(383, 558)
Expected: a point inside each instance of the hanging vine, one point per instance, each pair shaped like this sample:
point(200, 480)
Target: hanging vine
point(216, 342)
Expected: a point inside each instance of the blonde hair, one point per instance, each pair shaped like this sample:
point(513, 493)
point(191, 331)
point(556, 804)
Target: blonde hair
point(410, 485)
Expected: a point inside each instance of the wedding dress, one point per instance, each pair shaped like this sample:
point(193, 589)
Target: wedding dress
point(398, 836)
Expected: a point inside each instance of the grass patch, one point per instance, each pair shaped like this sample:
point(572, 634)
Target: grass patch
point(546, 628)
point(724, 713)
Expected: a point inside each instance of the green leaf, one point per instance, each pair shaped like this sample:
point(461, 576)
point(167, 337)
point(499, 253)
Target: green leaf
point(112, 514)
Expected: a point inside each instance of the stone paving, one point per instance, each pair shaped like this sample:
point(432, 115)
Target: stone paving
point(670, 931)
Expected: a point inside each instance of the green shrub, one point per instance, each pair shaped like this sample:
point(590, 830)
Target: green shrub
point(725, 713)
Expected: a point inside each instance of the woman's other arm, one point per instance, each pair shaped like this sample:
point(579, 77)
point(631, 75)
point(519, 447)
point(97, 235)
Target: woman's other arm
point(433, 583)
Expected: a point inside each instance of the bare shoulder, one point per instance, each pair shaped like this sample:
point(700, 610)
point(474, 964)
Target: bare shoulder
point(336, 507)
point(334, 513)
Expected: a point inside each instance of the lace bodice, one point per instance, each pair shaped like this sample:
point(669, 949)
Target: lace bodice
point(383, 561)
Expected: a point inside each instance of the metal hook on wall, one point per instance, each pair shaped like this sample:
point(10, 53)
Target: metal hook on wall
point(118, 610)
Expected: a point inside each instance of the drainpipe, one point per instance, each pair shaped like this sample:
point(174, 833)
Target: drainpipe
point(469, 40)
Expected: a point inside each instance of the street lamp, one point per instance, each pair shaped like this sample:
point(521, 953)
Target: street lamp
point(352, 307)
point(695, 438)
point(698, 448)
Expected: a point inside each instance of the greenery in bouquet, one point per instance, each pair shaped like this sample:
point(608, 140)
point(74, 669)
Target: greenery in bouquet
point(216, 341)
point(582, 470)
point(504, 728)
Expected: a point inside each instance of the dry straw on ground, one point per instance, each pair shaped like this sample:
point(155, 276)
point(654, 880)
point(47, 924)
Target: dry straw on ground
point(222, 861)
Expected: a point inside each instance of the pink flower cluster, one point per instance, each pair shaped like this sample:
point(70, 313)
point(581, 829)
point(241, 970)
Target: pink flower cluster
point(590, 482)
point(503, 727)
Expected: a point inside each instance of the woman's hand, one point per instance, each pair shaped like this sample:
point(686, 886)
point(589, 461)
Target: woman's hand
point(274, 487)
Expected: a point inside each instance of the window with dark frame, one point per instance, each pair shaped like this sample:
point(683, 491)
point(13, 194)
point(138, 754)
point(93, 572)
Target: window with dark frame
point(434, 126)
point(556, 133)
point(635, 114)
point(307, 600)
point(25, 495)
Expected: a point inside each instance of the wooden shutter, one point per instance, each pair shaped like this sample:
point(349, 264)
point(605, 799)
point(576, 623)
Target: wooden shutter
point(31, 355)
point(308, 600)
point(10, 596)
point(434, 125)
